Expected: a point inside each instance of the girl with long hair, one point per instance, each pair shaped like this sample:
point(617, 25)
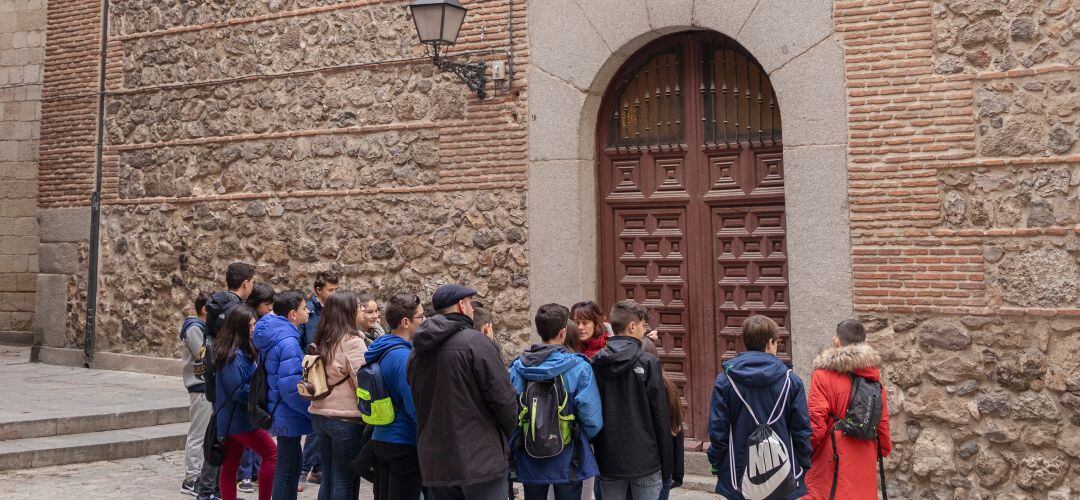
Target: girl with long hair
point(235, 358)
point(335, 419)
point(675, 417)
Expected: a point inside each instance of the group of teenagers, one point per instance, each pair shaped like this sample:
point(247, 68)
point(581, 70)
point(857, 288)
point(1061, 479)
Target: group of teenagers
point(586, 413)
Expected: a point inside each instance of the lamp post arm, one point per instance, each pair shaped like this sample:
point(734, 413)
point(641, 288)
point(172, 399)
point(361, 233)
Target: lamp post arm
point(474, 74)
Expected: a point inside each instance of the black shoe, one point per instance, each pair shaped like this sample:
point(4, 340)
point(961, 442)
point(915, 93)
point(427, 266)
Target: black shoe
point(187, 487)
point(245, 486)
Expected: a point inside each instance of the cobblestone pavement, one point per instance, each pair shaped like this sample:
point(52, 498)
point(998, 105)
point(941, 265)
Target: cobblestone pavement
point(155, 477)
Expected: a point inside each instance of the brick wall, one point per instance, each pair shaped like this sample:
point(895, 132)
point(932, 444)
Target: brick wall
point(963, 119)
point(22, 49)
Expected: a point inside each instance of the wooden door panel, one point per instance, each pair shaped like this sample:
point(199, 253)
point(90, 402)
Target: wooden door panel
point(652, 269)
point(749, 273)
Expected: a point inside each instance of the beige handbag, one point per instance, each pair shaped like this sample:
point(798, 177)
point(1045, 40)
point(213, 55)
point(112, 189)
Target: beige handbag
point(313, 384)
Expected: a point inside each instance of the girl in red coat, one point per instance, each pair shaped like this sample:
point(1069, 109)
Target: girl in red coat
point(830, 390)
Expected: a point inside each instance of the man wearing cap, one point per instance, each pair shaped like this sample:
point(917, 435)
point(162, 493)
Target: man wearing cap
point(465, 405)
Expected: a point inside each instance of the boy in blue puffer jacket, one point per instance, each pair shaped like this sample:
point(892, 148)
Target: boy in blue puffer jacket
point(277, 337)
point(757, 380)
point(394, 444)
point(551, 360)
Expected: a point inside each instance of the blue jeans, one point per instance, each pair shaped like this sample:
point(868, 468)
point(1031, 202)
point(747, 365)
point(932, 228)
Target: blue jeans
point(287, 474)
point(249, 466)
point(341, 443)
point(640, 487)
point(312, 455)
point(570, 491)
point(665, 493)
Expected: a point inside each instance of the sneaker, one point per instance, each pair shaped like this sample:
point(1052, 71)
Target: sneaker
point(246, 486)
point(314, 477)
point(187, 487)
point(299, 487)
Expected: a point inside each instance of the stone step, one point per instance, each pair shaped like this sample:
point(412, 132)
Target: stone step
point(16, 338)
point(694, 482)
point(81, 424)
point(91, 446)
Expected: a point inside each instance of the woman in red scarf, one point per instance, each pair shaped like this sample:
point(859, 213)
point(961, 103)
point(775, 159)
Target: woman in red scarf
point(592, 331)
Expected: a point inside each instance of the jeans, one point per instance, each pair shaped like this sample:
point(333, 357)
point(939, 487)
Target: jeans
point(257, 440)
point(570, 491)
point(249, 466)
point(491, 490)
point(287, 474)
point(312, 453)
point(341, 442)
point(199, 411)
point(665, 493)
point(398, 476)
point(641, 488)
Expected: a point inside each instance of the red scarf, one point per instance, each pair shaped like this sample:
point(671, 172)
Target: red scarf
point(592, 346)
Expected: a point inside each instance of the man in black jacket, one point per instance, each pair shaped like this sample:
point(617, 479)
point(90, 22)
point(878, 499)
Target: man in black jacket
point(465, 405)
point(634, 448)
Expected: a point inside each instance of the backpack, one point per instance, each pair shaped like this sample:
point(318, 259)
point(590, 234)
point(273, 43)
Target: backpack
point(372, 393)
point(860, 422)
point(214, 446)
point(769, 473)
point(313, 384)
point(260, 415)
point(545, 417)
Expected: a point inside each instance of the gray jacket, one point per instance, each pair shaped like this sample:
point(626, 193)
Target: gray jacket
point(191, 338)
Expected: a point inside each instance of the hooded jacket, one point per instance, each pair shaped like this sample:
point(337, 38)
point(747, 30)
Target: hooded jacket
point(191, 336)
point(636, 438)
point(760, 378)
point(546, 362)
point(465, 405)
point(219, 306)
point(392, 354)
point(830, 393)
point(278, 342)
point(233, 386)
point(307, 330)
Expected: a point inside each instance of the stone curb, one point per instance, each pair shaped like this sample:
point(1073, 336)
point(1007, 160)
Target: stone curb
point(91, 447)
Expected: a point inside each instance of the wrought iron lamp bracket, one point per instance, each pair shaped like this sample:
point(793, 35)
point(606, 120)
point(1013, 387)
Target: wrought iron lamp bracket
point(474, 74)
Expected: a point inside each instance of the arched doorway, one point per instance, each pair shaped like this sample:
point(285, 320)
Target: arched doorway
point(691, 204)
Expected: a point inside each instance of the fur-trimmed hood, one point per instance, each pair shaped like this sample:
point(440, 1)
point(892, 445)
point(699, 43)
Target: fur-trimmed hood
point(849, 358)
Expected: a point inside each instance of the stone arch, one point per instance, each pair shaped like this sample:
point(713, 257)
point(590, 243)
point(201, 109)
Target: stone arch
point(576, 48)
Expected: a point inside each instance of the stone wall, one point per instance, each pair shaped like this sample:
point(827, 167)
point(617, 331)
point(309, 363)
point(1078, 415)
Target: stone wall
point(299, 136)
point(966, 217)
point(22, 50)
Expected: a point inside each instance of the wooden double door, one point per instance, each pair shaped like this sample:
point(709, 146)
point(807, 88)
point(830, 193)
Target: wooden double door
point(692, 223)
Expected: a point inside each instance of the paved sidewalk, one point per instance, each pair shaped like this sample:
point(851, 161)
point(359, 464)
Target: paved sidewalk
point(34, 391)
point(156, 477)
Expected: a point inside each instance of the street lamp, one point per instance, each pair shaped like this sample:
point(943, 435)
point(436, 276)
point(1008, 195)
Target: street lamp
point(438, 23)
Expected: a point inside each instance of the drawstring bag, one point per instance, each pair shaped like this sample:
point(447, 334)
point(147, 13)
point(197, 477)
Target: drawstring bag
point(768, 474)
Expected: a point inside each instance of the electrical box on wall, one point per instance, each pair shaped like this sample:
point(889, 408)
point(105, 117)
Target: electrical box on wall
point(498, 70)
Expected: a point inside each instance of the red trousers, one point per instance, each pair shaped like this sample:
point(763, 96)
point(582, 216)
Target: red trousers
point(261, 443)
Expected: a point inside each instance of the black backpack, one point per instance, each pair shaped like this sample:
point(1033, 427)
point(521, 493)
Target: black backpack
point(860, 422)
point(546, 418)
point(260, 415)
point(373, 397)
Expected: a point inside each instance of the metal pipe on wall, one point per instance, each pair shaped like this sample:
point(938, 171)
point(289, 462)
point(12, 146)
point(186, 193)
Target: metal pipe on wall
point(95, 200)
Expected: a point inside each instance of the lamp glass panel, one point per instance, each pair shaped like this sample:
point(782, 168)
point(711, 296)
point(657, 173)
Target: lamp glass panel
point(428, 19)
point(455, 16)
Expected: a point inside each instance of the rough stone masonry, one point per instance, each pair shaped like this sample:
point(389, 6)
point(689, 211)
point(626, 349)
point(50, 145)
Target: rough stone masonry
point(311, 134)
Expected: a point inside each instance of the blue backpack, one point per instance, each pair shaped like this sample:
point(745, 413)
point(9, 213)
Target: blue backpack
point(372, 393)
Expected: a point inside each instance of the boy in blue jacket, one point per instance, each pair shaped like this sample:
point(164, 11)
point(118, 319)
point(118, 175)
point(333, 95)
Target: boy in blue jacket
point(398, 473)
point(551, 360)
point(277, 337)
point(757, 389)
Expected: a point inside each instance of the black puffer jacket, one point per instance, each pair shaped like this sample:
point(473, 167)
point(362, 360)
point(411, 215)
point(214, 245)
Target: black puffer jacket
point(465, 405)
point(636, 438)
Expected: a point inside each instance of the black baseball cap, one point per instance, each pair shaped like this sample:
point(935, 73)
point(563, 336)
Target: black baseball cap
point(448, 295)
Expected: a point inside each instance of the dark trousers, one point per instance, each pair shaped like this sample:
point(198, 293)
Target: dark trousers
point(312, 453)
point(287, 474)
point(398, 471)
point(341, 442)
point(492, 490)
point(207, 484)
point(570, 491)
